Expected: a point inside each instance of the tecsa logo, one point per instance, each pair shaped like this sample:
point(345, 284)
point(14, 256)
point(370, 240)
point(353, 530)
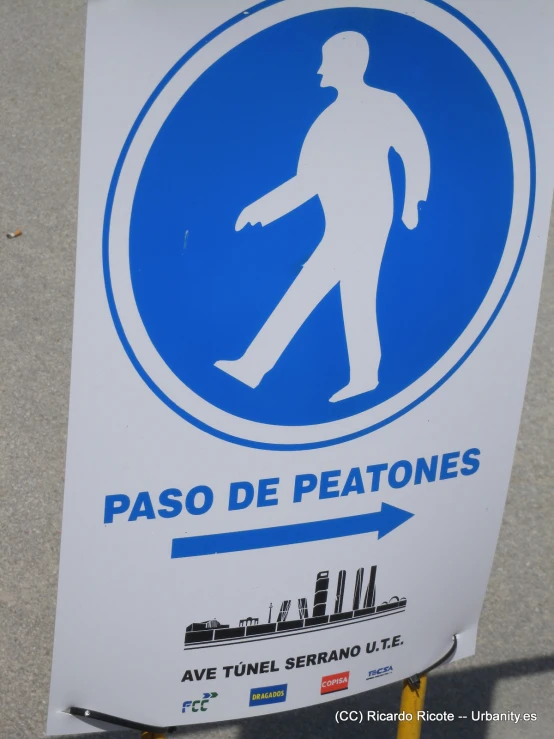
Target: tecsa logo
point(334, 683)
point(379, 673)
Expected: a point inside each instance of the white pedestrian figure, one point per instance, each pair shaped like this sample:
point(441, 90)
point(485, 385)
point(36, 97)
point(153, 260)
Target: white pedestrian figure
point(344, 160)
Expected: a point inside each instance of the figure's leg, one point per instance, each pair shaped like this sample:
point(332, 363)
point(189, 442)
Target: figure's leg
point(310, 287)
point(359, 307)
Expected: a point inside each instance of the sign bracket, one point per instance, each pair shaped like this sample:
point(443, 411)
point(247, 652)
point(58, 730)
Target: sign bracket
point(87, 713)
point(413, 696)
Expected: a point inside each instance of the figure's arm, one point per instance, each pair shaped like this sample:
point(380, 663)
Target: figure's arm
point(412, 147)
point(277, 203)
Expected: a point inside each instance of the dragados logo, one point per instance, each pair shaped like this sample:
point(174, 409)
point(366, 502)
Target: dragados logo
point(379, 673)
point(334, 683)
point(201, 704)
point(269, 694)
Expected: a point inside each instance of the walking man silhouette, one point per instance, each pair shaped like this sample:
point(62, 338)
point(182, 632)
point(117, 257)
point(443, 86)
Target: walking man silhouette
point(344, 160)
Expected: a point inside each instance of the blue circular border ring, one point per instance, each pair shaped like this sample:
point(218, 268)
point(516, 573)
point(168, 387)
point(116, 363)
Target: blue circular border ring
point(108, 213)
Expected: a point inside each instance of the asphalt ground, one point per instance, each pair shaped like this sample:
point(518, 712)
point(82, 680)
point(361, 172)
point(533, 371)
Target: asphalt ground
point(41, 60)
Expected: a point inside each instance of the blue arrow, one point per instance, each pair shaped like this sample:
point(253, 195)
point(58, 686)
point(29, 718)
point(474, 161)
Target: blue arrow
point(383, 522)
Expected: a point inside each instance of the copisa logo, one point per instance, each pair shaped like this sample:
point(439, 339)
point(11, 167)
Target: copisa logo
point(334, 683)
point(269, 694)
point(201, 704)
point(372, 674)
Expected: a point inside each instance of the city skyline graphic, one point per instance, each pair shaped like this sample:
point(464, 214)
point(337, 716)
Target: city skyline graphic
point(211, 633)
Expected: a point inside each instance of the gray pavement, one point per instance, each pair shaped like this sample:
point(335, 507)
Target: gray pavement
point(41, 57)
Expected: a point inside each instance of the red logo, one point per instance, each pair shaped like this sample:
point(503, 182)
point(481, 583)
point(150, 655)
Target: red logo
point(334, 683)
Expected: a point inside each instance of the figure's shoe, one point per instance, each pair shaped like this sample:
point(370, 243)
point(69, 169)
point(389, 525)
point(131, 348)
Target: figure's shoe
point(236, 369)
point(353, 389)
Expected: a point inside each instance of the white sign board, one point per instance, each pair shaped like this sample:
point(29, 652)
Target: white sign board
point(310, 249)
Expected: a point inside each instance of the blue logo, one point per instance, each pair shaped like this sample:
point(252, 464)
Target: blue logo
point(346, 198)
point(270, 694)
point(381, 672)
point(201, 704)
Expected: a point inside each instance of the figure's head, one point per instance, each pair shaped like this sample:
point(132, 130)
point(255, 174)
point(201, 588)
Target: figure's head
point(345, 60)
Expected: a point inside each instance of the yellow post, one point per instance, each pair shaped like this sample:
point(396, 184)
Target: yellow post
point(412, 701)
point(152, 735)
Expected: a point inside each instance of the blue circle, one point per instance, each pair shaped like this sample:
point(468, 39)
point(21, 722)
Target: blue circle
point(432, 280)
point(204, 291)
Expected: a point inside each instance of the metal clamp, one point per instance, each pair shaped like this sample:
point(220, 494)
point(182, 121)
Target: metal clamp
point(415, 681)
point(117, 721)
